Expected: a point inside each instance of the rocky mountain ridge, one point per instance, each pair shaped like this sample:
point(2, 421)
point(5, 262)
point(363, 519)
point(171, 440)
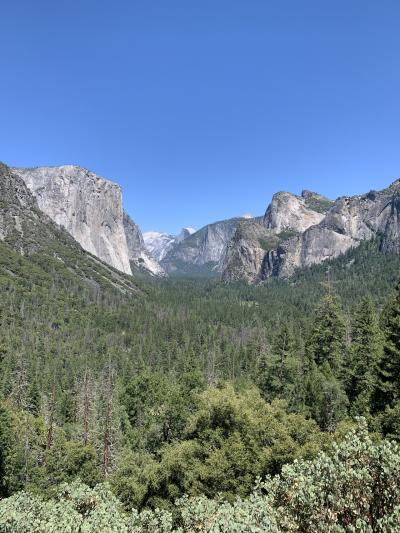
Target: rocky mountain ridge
point(295, 232)
point(201, 253)
point(47, 249)
point(301, 231)
point(90, 208)
point(139, 256)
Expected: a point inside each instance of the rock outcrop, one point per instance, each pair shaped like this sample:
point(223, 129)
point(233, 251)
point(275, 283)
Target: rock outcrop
point(246, 251)
point(251, 255)
point(52, 252)
point(201, 252)
point(86, 205)
point(301, 231)
point(90, 208)
point(290, 212)
point(22, 224)
point(138, 254)
point(184, 234)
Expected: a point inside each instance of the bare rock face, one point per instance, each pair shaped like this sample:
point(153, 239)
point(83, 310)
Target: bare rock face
point(315, 245)
point(22, 224)
point(310, 230)
point(288, 211)
point(86, 205)
point(256, 249)
point(138, 254)
point(246, 253)
point(201, 252)
point(90, 209)
point(184, 234)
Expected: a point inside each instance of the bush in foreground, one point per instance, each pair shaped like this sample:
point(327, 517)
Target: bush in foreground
point(355, 487)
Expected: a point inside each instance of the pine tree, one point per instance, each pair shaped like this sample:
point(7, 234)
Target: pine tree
point(109, 421)
point(20, 383)
point(365, 355)
point(34, 397)
point(328, 336)
point(281, 367)
point(325, 398)
point(284, 349)
point(325, 394)
point(389, 368)
point(262, 374)
point(51, 422)
point(86, 400)
point(5, 446)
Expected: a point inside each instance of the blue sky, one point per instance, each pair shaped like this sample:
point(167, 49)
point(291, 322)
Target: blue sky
point(202, 109)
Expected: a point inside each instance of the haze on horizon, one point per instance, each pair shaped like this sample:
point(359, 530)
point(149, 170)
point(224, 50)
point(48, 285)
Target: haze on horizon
point(203, 111)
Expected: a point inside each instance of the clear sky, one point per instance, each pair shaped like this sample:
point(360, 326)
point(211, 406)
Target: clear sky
point(202, 109)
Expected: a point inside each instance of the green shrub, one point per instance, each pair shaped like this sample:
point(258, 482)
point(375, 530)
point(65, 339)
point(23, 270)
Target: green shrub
point(353, 488)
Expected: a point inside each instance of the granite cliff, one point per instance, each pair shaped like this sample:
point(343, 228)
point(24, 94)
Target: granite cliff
point(23, 225)
point(301, 231)
point(52, 254)
point(90, 208)
point(138, 254)
point(200, 253)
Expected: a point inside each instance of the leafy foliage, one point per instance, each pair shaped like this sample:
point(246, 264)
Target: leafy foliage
point(355, 487)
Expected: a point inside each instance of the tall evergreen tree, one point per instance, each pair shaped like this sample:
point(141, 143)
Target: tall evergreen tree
point(389, 368)
point(34, 397)
point(325, 398)
point(281, 371)
point(5, 445)
point(365, 355)
point(328, 336)
point(325, 394)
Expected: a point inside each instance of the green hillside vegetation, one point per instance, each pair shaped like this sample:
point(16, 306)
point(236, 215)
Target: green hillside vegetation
point(186, 270)
point(319, 204)
point(273, 241)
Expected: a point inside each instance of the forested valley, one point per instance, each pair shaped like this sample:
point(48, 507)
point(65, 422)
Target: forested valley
point(189, 405)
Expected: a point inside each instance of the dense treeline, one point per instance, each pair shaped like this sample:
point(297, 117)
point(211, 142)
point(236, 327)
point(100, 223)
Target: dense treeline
point(188, 387)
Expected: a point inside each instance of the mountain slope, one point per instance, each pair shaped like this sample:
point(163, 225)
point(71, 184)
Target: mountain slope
point(257, 253)
point(45, 248)
point(138, 254)
point(247, 255)
point(90, 208)
point(159, 244)
point(201, 252)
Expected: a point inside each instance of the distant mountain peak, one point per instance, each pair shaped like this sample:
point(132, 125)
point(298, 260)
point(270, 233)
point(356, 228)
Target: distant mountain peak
point(159, 243)
point(184, 234)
